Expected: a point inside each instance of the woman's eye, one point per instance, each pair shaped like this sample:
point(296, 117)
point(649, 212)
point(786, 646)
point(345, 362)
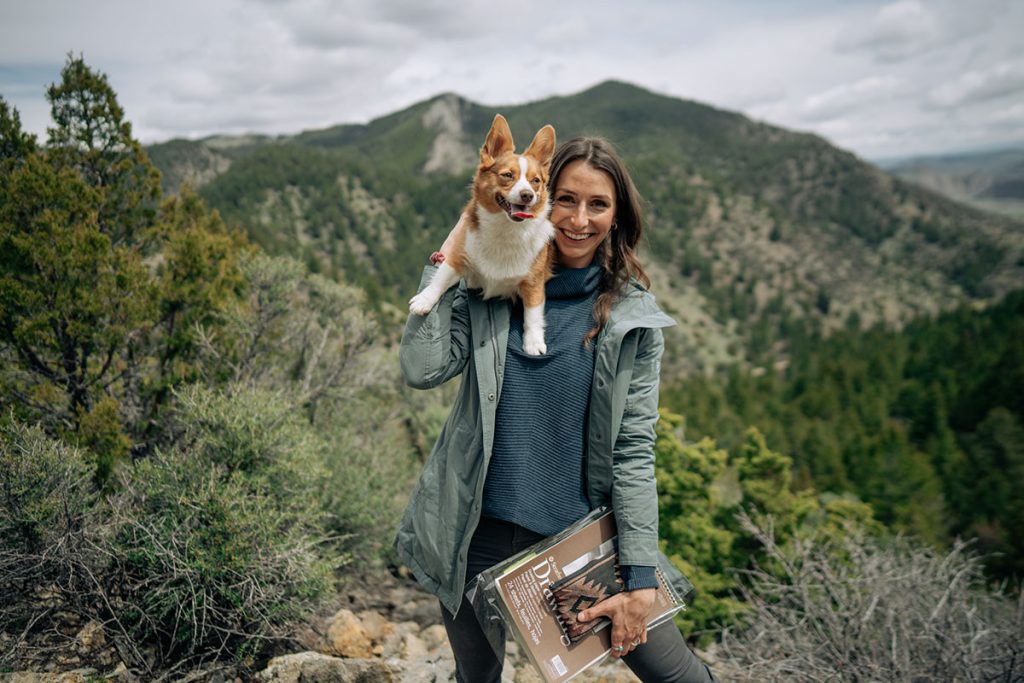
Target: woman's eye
point(565, 200)
point(599, 205)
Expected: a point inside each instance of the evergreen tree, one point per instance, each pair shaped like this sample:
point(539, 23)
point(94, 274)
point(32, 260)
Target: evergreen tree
point(91, 137)
point(100, 295)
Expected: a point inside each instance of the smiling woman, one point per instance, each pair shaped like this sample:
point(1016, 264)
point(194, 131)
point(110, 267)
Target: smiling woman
point(534, 442)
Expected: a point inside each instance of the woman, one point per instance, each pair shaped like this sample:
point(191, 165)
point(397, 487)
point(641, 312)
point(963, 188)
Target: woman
point(573, 429)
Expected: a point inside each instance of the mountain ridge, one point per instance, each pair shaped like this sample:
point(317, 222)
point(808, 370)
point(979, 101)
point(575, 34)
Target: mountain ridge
point(755, 230)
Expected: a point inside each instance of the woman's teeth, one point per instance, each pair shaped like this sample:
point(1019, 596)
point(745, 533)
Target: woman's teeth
point(576, 236)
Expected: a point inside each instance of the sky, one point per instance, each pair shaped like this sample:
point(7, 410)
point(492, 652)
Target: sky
point(882, 79)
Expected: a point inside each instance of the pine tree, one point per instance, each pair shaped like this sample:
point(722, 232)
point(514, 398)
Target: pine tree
point(100, 294)
point(91, 137)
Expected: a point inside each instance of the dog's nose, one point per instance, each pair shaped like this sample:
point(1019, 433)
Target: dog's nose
point(526, 196)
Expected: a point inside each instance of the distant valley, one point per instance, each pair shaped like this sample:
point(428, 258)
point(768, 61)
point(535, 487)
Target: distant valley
point(993, 181)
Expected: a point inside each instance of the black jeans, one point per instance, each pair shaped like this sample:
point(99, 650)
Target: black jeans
point(664, 657)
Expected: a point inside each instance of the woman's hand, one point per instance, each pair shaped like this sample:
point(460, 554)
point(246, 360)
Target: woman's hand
point(439, 257)
point(628, 612)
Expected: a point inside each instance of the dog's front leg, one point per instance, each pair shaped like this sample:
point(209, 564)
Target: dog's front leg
point(533, 330)
point(424, 302)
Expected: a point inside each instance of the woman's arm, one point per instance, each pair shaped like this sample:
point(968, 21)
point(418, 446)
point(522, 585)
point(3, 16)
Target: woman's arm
point(635, 499)
point(634, 489)
point(435, 347)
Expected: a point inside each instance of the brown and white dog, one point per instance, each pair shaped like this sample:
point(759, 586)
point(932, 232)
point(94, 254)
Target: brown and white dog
point(503, 242)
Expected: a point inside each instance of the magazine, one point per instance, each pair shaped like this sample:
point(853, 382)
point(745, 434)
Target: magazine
point(537, 593)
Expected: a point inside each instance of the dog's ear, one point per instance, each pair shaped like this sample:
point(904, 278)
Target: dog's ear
point(499, 141)
point(543, 146)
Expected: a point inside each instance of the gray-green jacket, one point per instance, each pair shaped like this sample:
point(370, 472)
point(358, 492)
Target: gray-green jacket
point(465, 334)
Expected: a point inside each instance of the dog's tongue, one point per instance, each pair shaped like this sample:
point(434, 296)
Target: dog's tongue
point(523, 215)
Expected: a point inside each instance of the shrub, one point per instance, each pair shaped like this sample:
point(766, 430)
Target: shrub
point(869, 610)
point(216, 541)
point(44, 488)
point(46, 561)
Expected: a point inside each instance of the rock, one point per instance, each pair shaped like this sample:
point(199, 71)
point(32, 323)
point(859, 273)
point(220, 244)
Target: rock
point(434, 636)
point(376, 627)
point(410, 606)
point(392, 645)
point(91, 637)
point(347, 638)
point(429, 670)
point(413, 647)
point(527, 673)
point(313, 667)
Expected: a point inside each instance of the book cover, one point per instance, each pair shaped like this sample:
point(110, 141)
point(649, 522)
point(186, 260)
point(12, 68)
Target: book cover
point(522, 591)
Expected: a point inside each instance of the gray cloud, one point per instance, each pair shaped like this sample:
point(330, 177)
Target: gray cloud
point(905, 29)
point(997, 81)
point(881, 78)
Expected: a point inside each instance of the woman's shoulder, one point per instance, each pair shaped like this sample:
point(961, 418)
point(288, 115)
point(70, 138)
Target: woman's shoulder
point(638, 305)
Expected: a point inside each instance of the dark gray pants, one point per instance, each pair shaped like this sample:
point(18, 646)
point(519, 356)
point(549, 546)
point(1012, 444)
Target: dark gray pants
point(663, 658)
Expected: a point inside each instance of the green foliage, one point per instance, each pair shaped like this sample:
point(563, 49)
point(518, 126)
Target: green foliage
point(101, 432)
point(924, 425)
point(44, 490)
point(15, 145)
point(94, 282)
point(69, 299)
point(702, 493)
point(692, 537)
point(91, 138)
point(236, 409)
point(218, 538)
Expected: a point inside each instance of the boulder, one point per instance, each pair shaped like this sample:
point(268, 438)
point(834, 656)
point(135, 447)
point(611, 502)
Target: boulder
point(346, 636)
point(313, 667)
point(376, 627)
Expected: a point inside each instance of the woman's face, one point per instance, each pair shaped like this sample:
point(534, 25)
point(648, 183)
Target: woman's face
point(582, 212)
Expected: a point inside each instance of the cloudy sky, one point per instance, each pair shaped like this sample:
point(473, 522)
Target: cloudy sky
point(883, 79)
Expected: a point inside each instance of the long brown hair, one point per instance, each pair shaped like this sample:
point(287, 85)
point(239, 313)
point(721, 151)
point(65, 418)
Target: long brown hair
point(617, 254)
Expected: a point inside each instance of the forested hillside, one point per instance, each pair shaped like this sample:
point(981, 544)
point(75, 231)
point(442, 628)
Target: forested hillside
point(754, 231)
point(926, 424)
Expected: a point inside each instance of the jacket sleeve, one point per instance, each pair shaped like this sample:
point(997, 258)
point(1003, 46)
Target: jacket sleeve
point(435, 347)
point(634, 489)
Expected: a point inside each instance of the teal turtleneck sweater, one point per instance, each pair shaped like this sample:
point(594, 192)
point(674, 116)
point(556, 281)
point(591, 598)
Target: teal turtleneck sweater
point(536, 475)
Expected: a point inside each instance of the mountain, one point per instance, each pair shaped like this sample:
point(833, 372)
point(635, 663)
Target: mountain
point(993, 181)
point(755, 233)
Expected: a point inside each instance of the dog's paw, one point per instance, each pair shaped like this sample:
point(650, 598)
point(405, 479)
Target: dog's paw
point(533, 345)
point(421, 304)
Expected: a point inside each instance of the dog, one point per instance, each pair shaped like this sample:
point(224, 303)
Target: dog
point(503, 244)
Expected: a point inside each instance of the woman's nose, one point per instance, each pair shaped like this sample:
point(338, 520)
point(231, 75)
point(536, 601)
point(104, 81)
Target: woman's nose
point(579, 216)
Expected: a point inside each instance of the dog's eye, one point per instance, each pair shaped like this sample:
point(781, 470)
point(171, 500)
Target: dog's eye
point(535, 181)
point(508, 174)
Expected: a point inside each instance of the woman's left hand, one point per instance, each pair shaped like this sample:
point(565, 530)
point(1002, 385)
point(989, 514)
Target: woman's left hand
point(628, 612)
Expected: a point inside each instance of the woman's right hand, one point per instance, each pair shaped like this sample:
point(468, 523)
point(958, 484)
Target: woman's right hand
point(439, 257)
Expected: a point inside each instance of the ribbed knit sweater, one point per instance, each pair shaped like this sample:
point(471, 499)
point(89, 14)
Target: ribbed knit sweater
point(536, 476)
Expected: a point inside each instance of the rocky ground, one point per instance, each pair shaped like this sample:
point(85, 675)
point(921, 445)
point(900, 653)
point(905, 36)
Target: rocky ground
point(384, 628)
